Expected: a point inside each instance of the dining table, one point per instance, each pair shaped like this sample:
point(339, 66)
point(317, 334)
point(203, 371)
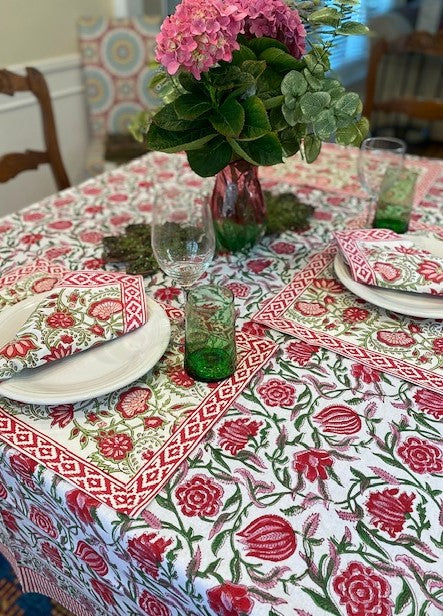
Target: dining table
point(310, 482)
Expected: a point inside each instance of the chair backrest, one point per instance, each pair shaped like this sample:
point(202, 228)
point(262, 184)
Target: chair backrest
point(405, 77)
point(116, 53)
point(14, 163)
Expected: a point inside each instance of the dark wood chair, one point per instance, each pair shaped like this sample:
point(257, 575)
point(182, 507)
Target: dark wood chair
point(12, 164)
point(404, 91)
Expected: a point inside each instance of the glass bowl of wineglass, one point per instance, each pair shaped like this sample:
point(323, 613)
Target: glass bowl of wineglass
point(380, 163)
point(182, 236)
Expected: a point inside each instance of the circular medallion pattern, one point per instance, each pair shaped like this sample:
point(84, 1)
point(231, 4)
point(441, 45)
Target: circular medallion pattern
point(123, 52)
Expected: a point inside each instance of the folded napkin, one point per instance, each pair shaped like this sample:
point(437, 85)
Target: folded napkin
point(383, 258)
point(82, 310)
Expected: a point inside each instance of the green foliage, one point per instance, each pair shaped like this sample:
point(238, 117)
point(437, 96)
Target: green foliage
point(265, 104)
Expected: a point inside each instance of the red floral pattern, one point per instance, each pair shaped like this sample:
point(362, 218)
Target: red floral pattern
point(388, 509)
point(199, 496)
point(43, 521)
point(152, 606)
point(277, 393)
point(269, 537)
point(230, 600)
point(114, 446)
point(421, 456)
point(313, 464)
point(301, 352)
point(81, 505)
point(148, 551)
point(429, 402)
point(234, 435)
point(363, 591)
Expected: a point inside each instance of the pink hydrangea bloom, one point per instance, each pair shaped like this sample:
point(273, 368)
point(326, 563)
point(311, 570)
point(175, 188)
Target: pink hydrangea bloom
point(275, 19)
point(199, 34)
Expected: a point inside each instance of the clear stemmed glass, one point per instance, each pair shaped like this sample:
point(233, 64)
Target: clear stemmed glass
point(182, 236)
point(380, 161)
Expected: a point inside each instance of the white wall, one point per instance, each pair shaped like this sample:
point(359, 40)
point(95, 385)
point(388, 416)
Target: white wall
point(43, 34)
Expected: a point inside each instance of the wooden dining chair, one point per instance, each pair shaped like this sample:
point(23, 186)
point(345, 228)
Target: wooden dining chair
point(12, 164)
point(404, 90)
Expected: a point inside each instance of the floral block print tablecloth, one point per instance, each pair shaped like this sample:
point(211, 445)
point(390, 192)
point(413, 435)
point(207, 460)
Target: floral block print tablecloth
point(319, 491)
point(336, 170)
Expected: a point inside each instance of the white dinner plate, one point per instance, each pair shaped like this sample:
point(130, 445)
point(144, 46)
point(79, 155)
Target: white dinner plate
point(91, 373)
point(404, 302)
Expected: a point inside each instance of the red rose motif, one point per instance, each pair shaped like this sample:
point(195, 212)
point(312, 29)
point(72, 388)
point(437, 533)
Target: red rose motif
point(168, 294)
point(180, 377)
point(152, 606)
point(269, 537)
point(437, 345)
point(310, 309)
point(234, 434)
point(52, 554)
point(301, 352)
point(148, 550)
point(366, 374)
point(283, 248)
point(429, 402)
point(114, 446)
point(199, 496)
point(312, 463)
point(44, 284)
point(91, 237)
point(81, 504)
point(91, 558)
point(24, 467)
point(19, 348)
point(43, 521)
point(94, 263)
point(58, 352)
point(363, 592)
point(421, 456)
point(60, 320)
point(338, 419)
point(60, 225)
point(387, 271)
point(153, 422)
point(277, 393)
point(389, 509)
point(133, 402)
point(355, 315)
point(431, 270)
point(258, 265)
point(9, 521)
point(105, 308)
point(61, 415)
point(103, 591)
point(254, 329)
point(230, 600)
point(31, 238)
point(3, 492)
point(395, 339)
point(328, 284)
point(238, 289)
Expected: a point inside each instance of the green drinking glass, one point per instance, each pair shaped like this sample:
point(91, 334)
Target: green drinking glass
point(210, 351)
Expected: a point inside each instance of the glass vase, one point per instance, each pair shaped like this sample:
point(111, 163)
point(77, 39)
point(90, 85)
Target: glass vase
point(238, 207)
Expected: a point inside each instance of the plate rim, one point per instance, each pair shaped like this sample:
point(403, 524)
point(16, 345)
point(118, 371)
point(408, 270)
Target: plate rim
point(380, 300)
point(8, 389)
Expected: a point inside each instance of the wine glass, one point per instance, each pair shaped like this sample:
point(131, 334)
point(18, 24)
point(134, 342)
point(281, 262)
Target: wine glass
point(182, 236)
point(380, 161)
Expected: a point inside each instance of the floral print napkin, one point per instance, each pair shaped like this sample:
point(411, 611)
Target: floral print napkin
point(78, 311)
point(383, 258)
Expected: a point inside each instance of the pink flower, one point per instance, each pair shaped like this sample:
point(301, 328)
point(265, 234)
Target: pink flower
point(81, 505)
point(199, 496)
point(301, 352)
point(430, 402)
point(199, 35)
point(421, 456)
point(152, 606)
point(389, 508)
point(269, 537)
point(167, 294)
point(283, 248)
point(180, 377)
point(133, 402)
point(431, 270)
point(355, 315)
point(277, 393)
point(274, 18)
point(43, 521)
point(239, 289)
point(230, 600)
point(363, 591)
point(437, 345)
point(114, 446)
point(52, 554)
point(61, 415)
point(366, 374)
point(147, 550)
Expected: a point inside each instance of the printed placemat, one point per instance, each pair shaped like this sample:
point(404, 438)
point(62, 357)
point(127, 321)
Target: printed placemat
point(123, 447)
point(317, 308)
point(334, 171)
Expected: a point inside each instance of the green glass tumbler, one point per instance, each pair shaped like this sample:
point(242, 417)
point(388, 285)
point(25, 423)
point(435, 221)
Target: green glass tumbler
point(395, 201)
point(210, 352)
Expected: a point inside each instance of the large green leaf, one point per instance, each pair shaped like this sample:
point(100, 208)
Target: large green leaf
point(229, 119)
point(190, 83)
point(290, 139)
point(280, 61)
point(168, 119)
point(348, 103)
point(258, 45)
point(292, 114)
point(256, 119)
point(254, 67)
point(311, 147)
point(191, 106)
point(227, 77)
point(241, 55)
point(210, 159)
point(269, 84)
point(325, 125)
point(263, 151)
point(277, 119)
point(313, 103)
point(326, 16)
point(161, 140)
point(352, 27)
point(346, 134)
